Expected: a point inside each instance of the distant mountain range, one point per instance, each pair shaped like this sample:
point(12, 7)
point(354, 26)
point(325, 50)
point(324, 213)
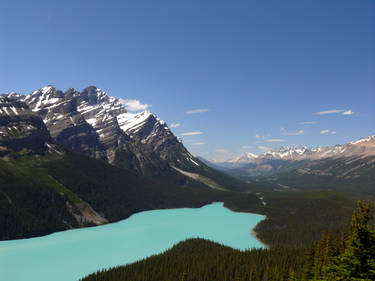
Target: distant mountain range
point(362, 147)
point(349, 166)
point(97, 125)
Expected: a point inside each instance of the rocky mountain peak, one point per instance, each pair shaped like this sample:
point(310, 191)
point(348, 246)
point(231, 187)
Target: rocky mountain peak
point(362, 147)
point(96, 124)
point(20, 128)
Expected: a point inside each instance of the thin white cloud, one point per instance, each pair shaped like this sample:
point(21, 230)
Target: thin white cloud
point(134, 105)
point(175, 125)
point(275, 140)
point(195, 111)
point(332, 111)
point(309, 123)
point(348, 112)
point(259, 136)
point(264, 148)
point(323, 132)
point(198, 143)
point(285, 132)
point(222, 150)
point(191, 133)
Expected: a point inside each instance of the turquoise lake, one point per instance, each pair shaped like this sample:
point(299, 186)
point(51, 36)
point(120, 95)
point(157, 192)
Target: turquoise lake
point(73, 254)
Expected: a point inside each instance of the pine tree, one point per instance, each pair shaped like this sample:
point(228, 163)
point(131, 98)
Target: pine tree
point(292, 275)
point(307, 270)
point(319, 256)
point(358, 260)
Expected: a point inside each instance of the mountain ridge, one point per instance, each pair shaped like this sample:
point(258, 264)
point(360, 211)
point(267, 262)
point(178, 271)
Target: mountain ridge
point(97, 125)
point(364, 146)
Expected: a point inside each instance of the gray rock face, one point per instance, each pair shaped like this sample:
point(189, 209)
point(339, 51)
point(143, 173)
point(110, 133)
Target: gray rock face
point(95, 124)
point(20, 128)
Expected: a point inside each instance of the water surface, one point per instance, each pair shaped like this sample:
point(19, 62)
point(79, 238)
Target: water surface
point(73, 254)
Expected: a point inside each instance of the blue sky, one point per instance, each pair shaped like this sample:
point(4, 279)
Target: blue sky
point(257, 69)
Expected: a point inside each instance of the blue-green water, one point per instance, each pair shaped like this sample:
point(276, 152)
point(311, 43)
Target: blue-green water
point(70, 255)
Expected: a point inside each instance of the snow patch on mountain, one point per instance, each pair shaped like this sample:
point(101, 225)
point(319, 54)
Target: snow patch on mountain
point(130, 122)
point(363, 146)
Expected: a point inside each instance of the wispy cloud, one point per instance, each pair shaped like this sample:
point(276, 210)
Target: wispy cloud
point(275, 140)
point(348, 112)
point(264, 148)
point(198, 143)
point(195, 111)
point(222, 150)
point(323, 132)
point(332, 111)
point(285, 132)
point(191, 133)
point(259, 136)
point(175, 125)
point(309, 123)
point(134, 105)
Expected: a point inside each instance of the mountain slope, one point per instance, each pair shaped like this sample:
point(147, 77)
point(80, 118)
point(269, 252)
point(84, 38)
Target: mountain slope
point(49, 192)
point(350, 166)
point(350, 174)
point(20, 129)
point(97, 125)
point(44, 188)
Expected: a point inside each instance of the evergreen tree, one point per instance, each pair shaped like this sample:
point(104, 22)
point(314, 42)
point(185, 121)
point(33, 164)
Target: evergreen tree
point(292, 275)
point(307, 270)
point(358, 260)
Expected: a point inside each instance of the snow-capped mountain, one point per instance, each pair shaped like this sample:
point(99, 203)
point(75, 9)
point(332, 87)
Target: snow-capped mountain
point(288, 158)
point(350, 166)
point(363, 146)
point(98, 125)
point(247, 157)
point(20, 128)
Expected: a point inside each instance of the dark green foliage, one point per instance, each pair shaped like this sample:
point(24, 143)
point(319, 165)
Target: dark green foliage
point(357, 262)
point(298, 217)
point(118, 193)
point(348, 174)
point(199, 259)
point(37, 191)
point(28, 204)
point(344, 255)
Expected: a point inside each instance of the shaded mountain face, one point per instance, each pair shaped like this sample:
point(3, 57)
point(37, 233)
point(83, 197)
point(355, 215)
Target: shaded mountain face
point(97, 125)
point(21, 130)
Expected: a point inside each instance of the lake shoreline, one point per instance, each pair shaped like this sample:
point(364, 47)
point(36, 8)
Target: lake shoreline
point(253, 233)
point(87, 250)
point(252, 230)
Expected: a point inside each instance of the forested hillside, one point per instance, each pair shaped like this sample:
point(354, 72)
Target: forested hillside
point(44, 193)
